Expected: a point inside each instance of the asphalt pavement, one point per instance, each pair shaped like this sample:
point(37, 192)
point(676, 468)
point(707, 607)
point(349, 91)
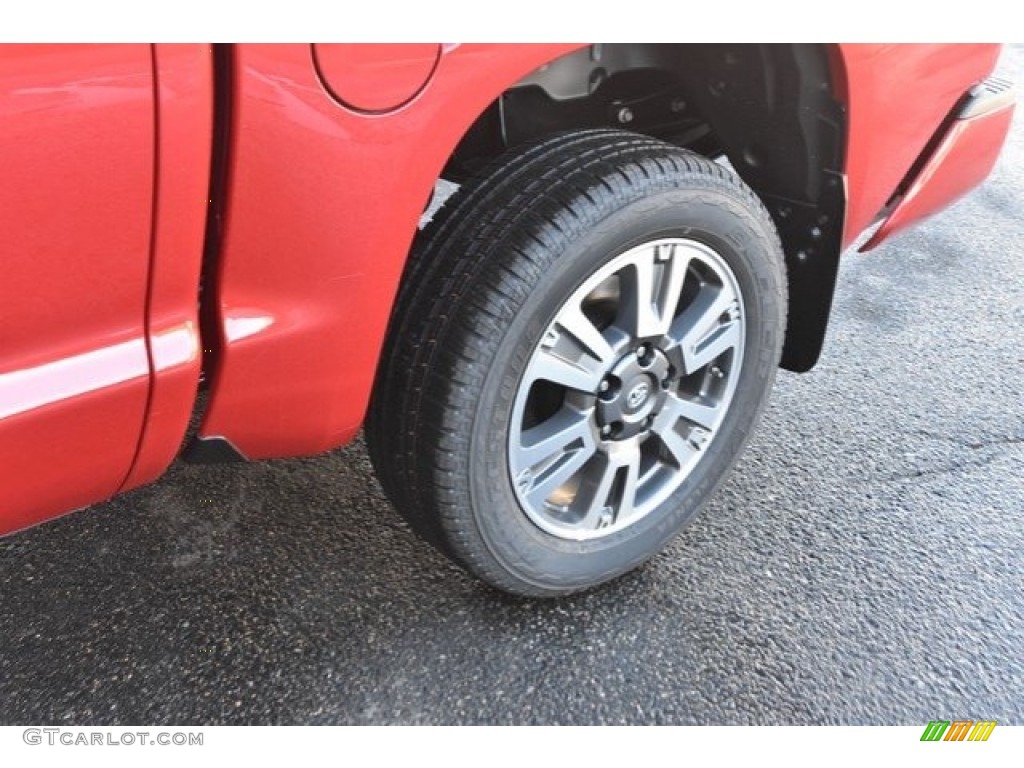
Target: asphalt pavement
point(862, 565)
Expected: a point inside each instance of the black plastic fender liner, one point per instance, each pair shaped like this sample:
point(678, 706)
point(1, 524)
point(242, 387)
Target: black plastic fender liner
point(773, 109)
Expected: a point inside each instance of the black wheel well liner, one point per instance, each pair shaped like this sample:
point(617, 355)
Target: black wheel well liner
point(772, 109)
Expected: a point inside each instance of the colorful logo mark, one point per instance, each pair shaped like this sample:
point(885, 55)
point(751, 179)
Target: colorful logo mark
point(958, 730)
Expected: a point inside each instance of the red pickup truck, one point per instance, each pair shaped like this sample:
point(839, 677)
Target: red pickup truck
point(554, 372)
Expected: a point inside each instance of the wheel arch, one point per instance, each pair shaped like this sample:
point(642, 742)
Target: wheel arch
point(776, 111)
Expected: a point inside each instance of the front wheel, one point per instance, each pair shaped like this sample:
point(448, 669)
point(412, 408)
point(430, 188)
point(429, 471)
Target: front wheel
point(583, 342)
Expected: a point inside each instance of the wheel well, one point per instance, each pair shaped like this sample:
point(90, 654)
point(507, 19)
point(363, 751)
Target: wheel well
point(771, 110)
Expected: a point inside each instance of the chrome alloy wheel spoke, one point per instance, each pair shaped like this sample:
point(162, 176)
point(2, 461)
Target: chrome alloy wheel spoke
point(655, 280)
point(684, 427)
point(573, 353)
point(551, 453)
point(708, 327)
point(626, 388)
point(611, 495)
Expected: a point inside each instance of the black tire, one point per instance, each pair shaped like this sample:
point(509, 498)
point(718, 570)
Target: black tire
point(486, 278)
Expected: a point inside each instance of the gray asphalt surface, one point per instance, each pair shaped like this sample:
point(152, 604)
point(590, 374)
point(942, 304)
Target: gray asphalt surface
point(862, 565)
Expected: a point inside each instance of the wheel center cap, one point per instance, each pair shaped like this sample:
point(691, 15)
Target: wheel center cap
point(634, 394)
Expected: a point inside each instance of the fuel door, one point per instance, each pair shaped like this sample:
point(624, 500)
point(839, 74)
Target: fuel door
point(375, 77)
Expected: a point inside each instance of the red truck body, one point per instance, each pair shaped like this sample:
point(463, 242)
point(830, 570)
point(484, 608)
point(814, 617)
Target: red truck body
point(163, 214)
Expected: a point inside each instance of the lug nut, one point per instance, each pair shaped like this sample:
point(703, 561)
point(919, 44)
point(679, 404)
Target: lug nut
point(606, 430)
point(641, 351)
point(603, 386)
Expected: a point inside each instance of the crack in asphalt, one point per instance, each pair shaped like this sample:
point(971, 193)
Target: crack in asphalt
point(1012, 440)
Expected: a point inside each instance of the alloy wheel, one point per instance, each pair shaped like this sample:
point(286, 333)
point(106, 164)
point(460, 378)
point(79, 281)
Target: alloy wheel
point(627, 388)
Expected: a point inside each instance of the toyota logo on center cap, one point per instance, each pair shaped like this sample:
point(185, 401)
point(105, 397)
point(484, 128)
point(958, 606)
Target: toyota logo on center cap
point(637, 395)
